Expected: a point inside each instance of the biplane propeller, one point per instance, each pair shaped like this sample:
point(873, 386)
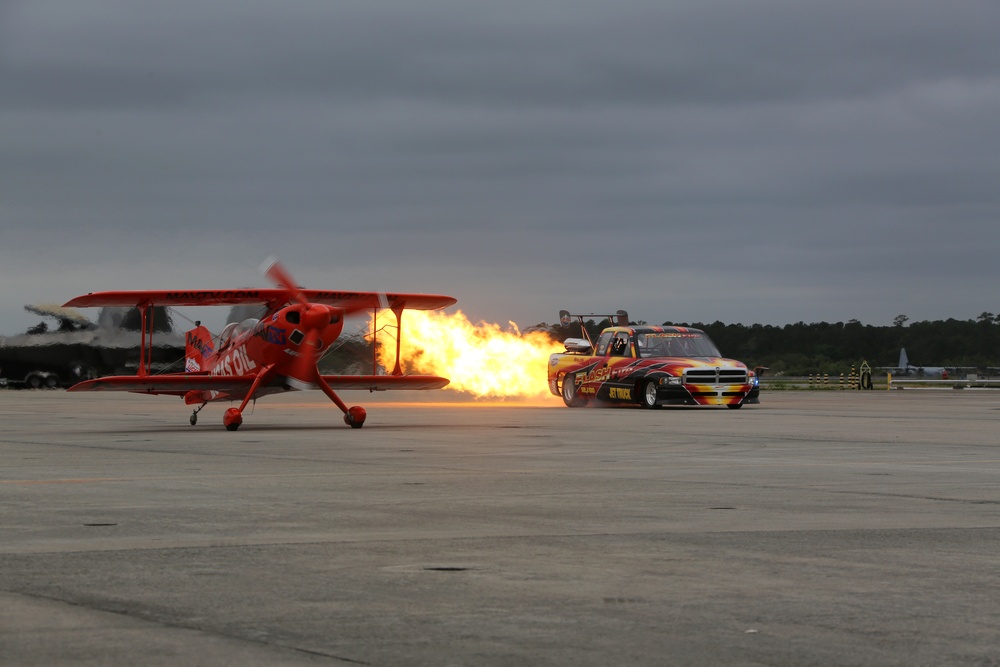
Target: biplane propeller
point(256, 357)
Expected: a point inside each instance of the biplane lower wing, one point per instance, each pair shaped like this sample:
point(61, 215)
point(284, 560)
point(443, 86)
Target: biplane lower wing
point(385, 382)
point(167, 384)
point(181, 384)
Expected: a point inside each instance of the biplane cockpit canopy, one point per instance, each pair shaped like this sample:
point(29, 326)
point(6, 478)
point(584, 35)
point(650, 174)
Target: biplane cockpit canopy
point(227, 334)
point(236, 330)
point(245, 326)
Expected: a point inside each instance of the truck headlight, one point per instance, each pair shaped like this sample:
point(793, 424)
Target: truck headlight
point(671, 380)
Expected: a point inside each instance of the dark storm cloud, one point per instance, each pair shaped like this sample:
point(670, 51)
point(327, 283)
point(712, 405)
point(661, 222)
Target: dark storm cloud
point(769, 161)
point(514, 54)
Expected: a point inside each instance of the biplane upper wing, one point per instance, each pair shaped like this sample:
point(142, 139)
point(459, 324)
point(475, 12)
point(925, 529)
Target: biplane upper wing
point(179, 298)
point(349, 301)
point(172, 383)
point(384, 382)
point(352, 301)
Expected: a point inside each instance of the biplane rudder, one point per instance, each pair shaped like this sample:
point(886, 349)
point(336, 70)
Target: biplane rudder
point(198, 349)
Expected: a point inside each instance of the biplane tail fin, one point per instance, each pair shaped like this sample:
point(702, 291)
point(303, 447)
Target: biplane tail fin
point(198, 348)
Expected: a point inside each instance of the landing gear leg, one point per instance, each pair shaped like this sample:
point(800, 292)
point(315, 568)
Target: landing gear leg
point(354, 416)
point(233, 417)
point(194, 415)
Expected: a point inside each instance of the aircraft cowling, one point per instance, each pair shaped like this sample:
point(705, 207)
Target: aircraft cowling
point(320, 325)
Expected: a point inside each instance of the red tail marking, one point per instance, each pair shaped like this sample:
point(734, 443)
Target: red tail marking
point(197, 350)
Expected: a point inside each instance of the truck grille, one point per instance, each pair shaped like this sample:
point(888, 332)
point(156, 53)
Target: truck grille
point(715, 376)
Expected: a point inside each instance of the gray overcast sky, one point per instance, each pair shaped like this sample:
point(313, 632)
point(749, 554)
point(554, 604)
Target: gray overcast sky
point(689, 160)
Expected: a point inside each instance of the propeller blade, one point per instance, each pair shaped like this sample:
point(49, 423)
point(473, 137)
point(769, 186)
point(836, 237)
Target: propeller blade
point(280, 276)
point(314, 319)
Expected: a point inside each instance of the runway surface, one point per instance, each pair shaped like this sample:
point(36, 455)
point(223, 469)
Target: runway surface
point(819, 528)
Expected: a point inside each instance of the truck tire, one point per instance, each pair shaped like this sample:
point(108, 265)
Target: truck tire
point(34, 380)
point(647, 397)
point(570, 396)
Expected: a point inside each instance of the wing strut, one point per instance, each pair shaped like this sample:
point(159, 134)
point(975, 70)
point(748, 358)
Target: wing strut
point(398, 311)
point(145, 358)
point(375, 341)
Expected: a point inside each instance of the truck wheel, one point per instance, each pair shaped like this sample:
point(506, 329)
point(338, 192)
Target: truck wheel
point(34, 380)
point(648, 396)
point(570, 396)
point(52, 381)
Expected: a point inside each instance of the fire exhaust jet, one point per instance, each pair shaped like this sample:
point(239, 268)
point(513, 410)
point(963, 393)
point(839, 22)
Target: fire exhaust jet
point(254, 358)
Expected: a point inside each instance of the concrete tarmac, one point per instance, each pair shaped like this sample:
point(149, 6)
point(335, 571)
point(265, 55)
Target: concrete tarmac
point(818, 528)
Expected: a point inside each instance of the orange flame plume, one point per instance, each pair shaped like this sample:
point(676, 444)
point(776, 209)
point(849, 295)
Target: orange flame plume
point(481, 359)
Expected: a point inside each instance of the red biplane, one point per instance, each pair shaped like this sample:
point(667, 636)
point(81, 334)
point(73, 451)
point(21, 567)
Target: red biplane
point(256, 357)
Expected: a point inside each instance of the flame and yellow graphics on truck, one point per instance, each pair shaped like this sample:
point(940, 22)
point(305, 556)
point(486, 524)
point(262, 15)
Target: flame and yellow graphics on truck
point(650, 366)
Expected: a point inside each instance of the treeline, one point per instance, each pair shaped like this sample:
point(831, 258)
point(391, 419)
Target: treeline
point(821, 347)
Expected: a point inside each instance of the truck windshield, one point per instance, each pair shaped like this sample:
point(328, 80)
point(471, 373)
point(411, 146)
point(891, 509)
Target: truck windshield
point(669, 344)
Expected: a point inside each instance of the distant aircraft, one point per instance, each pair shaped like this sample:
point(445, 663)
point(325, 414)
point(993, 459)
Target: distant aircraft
point(257, 357)
point(904, 367)
point(77, 349)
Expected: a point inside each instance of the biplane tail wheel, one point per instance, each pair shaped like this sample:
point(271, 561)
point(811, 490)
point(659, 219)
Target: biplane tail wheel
point(194, 414)
point(232, 419)
point(355, 417)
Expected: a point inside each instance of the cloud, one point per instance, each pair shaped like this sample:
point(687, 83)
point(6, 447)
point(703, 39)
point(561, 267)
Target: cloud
point(774, 161)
